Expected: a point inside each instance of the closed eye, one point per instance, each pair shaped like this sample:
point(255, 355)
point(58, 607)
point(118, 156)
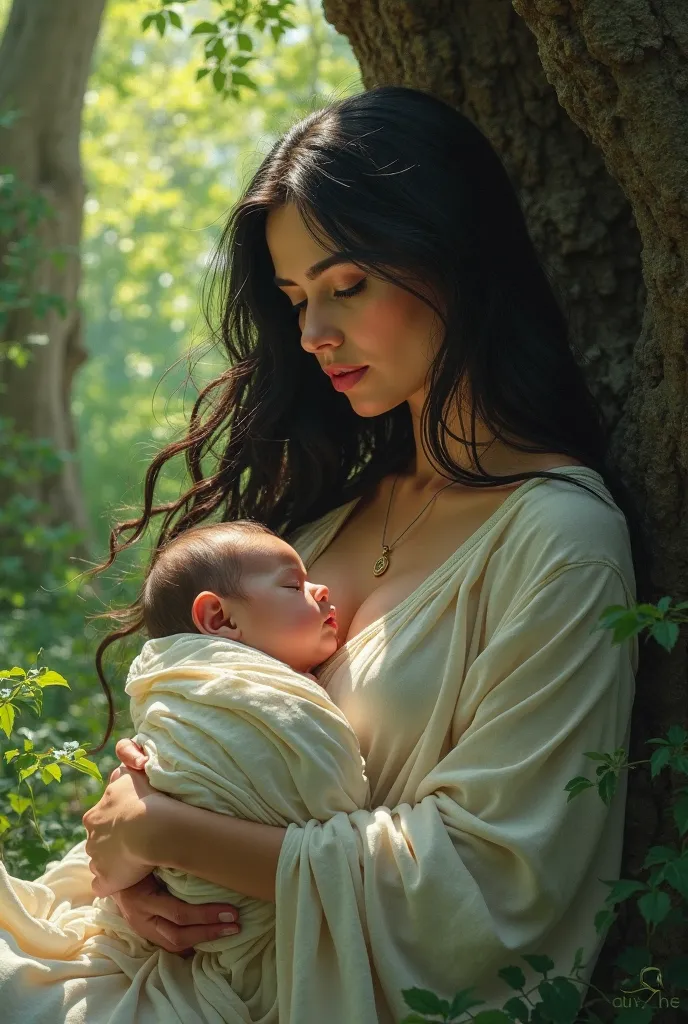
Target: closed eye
point(344, 294)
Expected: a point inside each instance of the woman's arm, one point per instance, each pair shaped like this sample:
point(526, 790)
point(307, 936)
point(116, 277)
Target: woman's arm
point(231, 852)
point(134, 828)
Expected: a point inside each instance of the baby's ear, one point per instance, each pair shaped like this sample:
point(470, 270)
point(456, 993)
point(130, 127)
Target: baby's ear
point(212, 617)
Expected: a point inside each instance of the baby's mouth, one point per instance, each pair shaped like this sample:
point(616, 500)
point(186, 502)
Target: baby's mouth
point(331, 619)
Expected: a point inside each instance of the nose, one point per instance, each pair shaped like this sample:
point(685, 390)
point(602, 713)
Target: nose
point(317, 337)
point(320, 592)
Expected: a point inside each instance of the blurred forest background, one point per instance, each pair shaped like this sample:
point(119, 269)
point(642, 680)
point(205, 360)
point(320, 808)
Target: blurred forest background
point(164, 159)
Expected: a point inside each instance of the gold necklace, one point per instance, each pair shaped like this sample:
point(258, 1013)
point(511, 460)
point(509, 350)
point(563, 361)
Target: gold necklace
point(382, 563)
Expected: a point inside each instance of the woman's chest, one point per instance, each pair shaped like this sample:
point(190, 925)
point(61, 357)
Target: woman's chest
point(346, 565)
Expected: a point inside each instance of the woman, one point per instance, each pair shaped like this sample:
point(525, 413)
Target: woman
point(446, 478)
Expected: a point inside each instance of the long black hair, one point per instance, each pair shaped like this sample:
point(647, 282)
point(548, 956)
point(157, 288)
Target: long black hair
point(408, 188)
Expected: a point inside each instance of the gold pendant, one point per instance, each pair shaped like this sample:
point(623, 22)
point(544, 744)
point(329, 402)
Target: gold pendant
point(382, 563)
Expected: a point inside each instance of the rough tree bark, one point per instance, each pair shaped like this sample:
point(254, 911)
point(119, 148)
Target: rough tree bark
point(45, 57)
point(585, 102)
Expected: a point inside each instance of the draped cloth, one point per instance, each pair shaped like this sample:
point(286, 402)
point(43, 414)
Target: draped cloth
point(226, 728)
point(445, 846)
point(474, 701)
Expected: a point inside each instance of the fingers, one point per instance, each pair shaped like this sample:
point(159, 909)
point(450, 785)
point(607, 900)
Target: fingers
point(167, 907)
point(176, 939)
point(130, 754)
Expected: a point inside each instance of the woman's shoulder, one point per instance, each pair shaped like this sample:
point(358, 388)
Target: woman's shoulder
point(559, 524)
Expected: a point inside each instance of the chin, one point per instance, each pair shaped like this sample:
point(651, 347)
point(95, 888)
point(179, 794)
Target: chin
point(368, 408)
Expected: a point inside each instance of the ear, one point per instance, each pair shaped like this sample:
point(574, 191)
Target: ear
point(211, 616)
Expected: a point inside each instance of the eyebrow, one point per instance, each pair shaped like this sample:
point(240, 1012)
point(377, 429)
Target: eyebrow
point(318, 268)
point(290, 567)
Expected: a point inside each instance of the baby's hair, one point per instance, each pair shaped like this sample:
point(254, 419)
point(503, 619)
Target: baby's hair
point(203, 558)
point(206, 557)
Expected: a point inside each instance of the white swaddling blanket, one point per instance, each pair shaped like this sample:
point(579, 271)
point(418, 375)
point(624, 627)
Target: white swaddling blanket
point(227, 728)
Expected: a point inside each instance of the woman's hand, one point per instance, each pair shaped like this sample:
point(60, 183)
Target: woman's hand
point(171, 923)
point(143, 900)
point(120, 827)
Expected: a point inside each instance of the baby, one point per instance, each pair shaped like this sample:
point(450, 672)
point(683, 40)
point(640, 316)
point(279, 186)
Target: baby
point(241, 581)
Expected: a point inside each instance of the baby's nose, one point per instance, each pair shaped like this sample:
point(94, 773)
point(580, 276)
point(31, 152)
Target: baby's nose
point(321, 592)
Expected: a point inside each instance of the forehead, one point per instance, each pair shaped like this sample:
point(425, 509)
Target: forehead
point(289, 241)
point(269, 556)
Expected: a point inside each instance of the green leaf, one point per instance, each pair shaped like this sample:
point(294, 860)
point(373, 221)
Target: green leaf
point(665, 633)
point(676, 874)
point(174, 19)
point(603, 920)
point(219, 78)
point(636, 1014)
point(680, 813)
point(660, 855)
point(463, 1001)
point(5, 823)
point(204, 28)
point(244, 41)
point(18, 803)
point(621, 889)
point(654, 906)
point(422, 1001)
point(677, 735)
point(6, 719)
point(201, 73)
point(26, 772)
point(28, 745)
point(513, 976)
point(239, 78)
point(88, 768)
point(578, 959)
point(576, 786)
point(658, 759)
point(53, 772)
point(517, 1009)
point(560, 1000)
point(51, 678)
point(15, 673)
point(541, 964)
point(607, 787)
point(492, 1017)
point(160, 24)
point(11, 754)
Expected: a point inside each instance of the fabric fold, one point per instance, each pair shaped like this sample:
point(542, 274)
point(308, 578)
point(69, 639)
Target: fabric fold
point(226, 728)
point(484, 858)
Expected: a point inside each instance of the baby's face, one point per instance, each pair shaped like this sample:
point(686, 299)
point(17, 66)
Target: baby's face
point(284, 615)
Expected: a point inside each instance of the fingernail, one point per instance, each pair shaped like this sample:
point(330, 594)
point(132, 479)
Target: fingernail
point(230, 931)
point(226, 917)
point(139, 762)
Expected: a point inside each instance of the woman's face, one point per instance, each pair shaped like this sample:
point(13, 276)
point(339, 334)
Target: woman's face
point(379, 325)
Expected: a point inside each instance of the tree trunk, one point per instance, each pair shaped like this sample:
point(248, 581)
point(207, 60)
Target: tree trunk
point(45, 57)
point(585, 104)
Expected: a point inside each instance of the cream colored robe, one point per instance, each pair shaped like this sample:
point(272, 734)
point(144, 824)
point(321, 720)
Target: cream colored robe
point(473, 702)
point(226, 728)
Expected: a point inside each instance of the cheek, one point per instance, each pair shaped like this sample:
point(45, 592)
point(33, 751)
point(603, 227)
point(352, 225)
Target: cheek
point(401, 326)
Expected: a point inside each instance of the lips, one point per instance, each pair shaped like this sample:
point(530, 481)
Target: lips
point(336, 369)
point(345, 377)
point(331, 619)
